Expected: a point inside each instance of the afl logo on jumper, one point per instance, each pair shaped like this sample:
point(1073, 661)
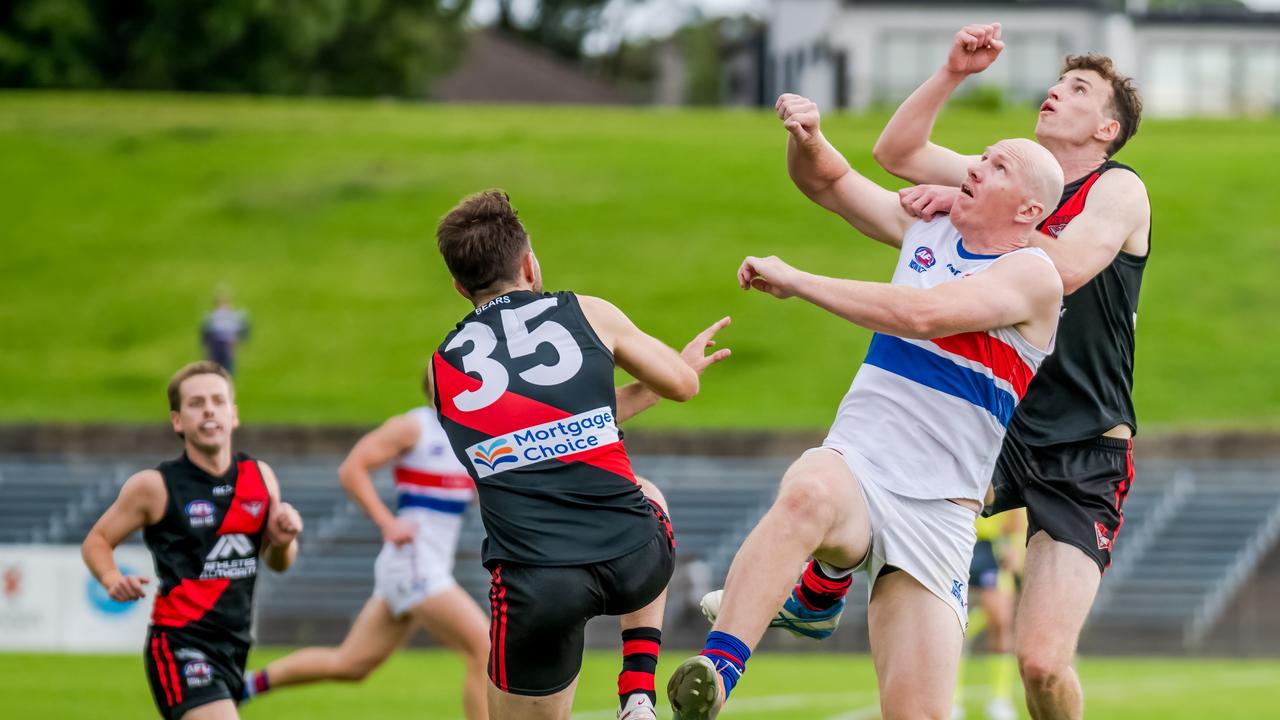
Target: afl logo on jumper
point(923, 259)
point(200, 513)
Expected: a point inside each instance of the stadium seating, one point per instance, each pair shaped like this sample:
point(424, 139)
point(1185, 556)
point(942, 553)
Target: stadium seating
point(1192, 534)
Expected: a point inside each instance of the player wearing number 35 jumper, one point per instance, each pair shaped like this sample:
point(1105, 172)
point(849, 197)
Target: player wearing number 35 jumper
point(525, 391)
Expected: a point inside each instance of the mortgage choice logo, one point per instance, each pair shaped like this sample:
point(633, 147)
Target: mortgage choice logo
point(548, 441)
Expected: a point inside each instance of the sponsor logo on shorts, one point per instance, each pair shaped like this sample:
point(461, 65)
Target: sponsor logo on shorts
point(1104, 536)
point(200, 513)
point(198, 673)
point(923, 259)
point(957, 591)
point(189, 654)
point(549, 441)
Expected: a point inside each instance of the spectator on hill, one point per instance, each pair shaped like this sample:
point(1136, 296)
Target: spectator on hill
point(222, 331)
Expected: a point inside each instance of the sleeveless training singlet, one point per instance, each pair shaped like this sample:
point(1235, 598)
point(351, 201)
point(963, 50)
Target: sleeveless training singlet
point(206, 548)
point(928, 416)
point(524, 389)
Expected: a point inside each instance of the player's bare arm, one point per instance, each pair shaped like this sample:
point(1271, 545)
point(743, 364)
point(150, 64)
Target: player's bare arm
point(1116, 216)
point(377, 448)
point(284, 524)
point(904, 147)
point(641, 355)
point(634, 398)
point(826, 178)
point(1020, 291)
point(141, 502)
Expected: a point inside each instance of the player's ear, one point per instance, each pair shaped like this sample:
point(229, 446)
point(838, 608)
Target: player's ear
point(529, 267)
point(1107, 131)
point(461, 290)
point(235, 416)
point(175, 418)
point(1029, 212)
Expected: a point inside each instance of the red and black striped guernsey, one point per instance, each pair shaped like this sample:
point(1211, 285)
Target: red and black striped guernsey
point(524, 389)
point(206, 548)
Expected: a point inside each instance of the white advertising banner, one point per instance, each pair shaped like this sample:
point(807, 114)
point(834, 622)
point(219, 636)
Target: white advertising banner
point(50, 601)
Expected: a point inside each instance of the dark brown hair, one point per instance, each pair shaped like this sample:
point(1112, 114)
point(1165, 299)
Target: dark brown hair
point(203, 367)
point(1125, 104)
point(482, 240)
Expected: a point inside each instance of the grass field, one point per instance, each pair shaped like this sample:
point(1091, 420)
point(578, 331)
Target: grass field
point(424, 685)
point(121, 214)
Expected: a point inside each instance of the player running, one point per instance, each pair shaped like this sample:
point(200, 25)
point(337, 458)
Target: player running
point(525, 391)
point(414, 584)
point(895, 488)
point(206, 517)
point(1068, 456)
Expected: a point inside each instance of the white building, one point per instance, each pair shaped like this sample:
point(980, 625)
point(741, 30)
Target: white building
point(857, 53)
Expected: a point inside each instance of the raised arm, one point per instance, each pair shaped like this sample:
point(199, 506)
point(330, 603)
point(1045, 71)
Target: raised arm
point(141, 503)
point(284, 524)
point(1117, 215)
point(904, 147)
point(634, 398)
point(377, 448)
point(1019, 291)
point(642, 356)
point(826, 178)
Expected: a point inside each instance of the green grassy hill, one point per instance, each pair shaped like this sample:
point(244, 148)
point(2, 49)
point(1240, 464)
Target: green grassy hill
point(427, 685)
point(121, 214)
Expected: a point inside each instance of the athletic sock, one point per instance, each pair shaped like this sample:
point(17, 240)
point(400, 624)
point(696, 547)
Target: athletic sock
point(640, 648)
point(256, 683)
point(822, 586)
point(1001, 666)
point(729, 655)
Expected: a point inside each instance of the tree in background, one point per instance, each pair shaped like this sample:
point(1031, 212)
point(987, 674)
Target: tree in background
point(559, 25)
point(346, 47)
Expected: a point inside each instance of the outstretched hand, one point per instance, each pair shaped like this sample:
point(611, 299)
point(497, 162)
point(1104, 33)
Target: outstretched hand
point(695, 354)
point(770, 275)
point(975, 48)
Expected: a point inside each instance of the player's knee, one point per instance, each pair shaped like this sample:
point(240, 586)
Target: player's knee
point(806, 498)
point(355, 669)
point(1040, 669)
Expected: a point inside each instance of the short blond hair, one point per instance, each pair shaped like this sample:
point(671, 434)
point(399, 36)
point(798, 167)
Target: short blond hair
point(202, 367)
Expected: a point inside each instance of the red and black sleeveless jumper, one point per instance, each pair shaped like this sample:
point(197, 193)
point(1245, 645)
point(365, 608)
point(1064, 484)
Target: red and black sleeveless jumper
point(206, 549)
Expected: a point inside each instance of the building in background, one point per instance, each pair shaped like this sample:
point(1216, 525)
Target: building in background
point(857, 54)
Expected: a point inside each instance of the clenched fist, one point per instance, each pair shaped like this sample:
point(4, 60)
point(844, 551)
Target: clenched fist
point(285, 524)
point(799, 115)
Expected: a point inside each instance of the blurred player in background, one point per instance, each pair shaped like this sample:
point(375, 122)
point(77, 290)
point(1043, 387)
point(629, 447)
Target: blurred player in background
point(206, 518)
point(413, 575)
point(1068, 457)
point(223, 331)
point(994, 576)
point(525, 391)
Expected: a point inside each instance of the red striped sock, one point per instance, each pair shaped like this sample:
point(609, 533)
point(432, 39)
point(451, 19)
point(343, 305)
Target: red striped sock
point(639, 663)
point(817, 591)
